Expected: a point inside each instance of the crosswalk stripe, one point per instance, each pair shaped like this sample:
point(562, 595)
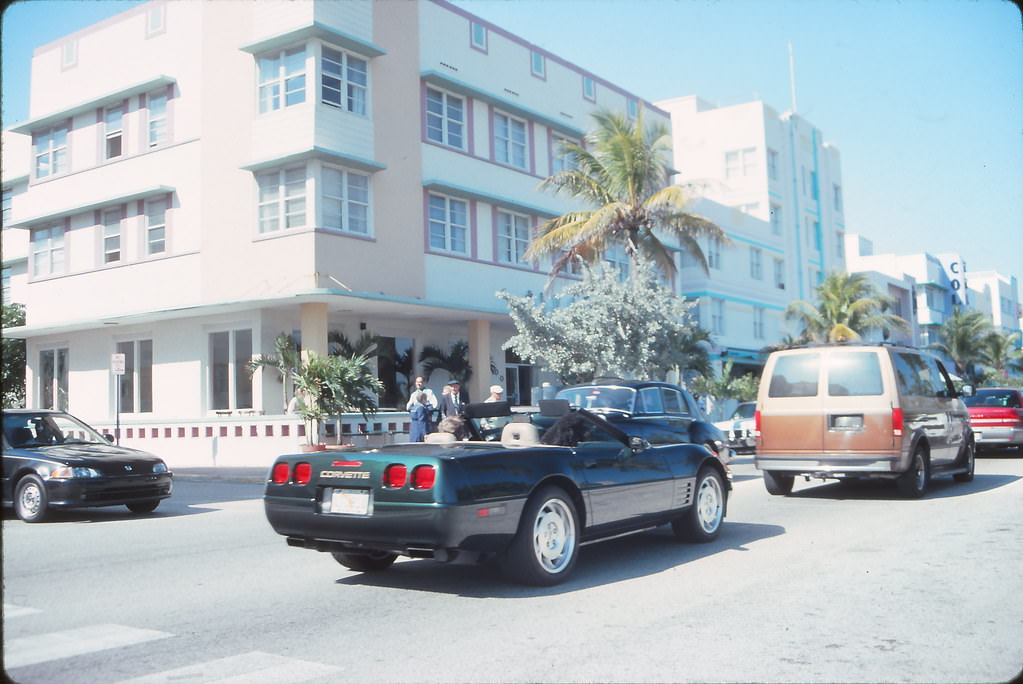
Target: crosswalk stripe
point(254, 667)
point(43, 648)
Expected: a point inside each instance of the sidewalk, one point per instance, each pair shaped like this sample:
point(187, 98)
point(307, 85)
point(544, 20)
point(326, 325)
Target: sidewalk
point(222, 474)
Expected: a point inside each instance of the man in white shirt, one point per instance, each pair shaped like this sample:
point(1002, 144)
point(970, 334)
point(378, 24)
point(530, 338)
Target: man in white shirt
point(421, 388)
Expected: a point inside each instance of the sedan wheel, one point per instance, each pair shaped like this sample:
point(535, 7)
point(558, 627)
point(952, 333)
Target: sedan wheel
point(702, 521)
point(544, 550)
point(30, 503)
point(144, 506)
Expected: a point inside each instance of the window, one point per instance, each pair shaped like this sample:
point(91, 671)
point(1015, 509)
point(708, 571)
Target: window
point(8, 197)
point(281, 199)
point(135, 386)
point(537, 64)
point(449, 224)
point(840, 244)
point(814, 186)
point(837, 194)
point(756, 266)
point(758, 322)
point(230, 381)
point(445, 118)
point(5, 283)
point(510, 141)
point(779, 274)
point(48, 250)
point(512, 237)
point(776, 228)
point(714, 253)
point(717, 316)
point(740, 162)
point(345, 198)
point(795, 376)
point(632, 108)
point(772, 164)
point(155, 17)
point(616, 256)
point(69, 54)
point(854, 374)
point(112, 234)
point(281, 79)
point(589, 89)
point(50, 149)
point(562, 159)
point(813, 233)
point(156, 226)
point(53, 379)
point(478, 36)
point(343, 81)
point(113, 130)
point(158, 132)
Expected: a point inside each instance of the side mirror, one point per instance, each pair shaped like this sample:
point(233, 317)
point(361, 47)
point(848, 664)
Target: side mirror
point(110, 438)
point(968, 391)
point(638, 444)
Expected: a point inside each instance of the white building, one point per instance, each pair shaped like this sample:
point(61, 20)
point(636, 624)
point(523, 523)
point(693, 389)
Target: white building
point(775, 187)
point(277, 167)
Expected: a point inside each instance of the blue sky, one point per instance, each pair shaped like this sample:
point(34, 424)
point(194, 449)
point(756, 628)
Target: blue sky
point(924, 98)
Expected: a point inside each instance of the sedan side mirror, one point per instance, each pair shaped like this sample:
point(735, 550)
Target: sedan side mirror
point(968, 391)
point(110, 437)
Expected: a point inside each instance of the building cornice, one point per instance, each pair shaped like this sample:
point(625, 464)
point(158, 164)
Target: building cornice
point(313, 30)
point(315, 152)
point(82, 207)
point(93, 103)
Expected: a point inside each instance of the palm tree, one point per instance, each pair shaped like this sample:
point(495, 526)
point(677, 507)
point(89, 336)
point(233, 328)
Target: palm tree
point(622, 173)
point(285, 360)
point(1002, 354)
point(455, 362)
point(332, 385)
point(848, 306)
point(340, 345)
point(962, 338)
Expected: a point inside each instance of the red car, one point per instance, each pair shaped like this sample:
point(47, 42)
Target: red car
point(997, 417)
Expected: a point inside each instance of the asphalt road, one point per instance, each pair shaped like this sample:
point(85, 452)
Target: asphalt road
point(835, 583)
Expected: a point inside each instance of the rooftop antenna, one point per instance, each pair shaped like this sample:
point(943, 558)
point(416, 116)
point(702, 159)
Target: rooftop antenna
point(792, 77)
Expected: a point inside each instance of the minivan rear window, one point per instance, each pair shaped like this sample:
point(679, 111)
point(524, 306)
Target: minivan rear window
point(854, 374)
point(795, 375)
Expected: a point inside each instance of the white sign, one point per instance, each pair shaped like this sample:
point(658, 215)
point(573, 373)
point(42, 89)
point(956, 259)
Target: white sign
point(117, 364)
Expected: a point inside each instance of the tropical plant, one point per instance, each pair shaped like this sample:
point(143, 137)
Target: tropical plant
point(604, 325)
point(1002, 355)
point(12, 368)
point(285, 359)
point(339, 345)
point(332, 385)
point(962, 337)
point(727, 385)
point(848, 306)
point(622, 173)
point(455, 361)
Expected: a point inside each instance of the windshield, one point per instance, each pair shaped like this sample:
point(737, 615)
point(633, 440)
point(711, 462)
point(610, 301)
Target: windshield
point(600, 398)
point(998, 398)
point(42, 429)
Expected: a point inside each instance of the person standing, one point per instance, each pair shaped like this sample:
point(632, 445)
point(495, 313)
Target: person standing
point(455, 401)
point(420, 414)
point(496, 394)
point(420, 390)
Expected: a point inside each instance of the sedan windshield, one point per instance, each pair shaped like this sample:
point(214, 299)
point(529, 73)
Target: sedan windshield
point(43, 429)
point(600, 398)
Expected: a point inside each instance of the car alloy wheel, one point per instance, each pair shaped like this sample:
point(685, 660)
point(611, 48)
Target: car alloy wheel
point(544, 550)
point(701, 522)
point(709, 504)
point(554, 536)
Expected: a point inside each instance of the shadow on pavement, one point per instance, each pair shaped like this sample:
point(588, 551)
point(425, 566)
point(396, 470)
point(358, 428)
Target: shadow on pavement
point(942, 486)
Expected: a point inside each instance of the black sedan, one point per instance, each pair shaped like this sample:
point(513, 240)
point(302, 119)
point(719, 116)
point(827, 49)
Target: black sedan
point(528, 489)
point(53, 460)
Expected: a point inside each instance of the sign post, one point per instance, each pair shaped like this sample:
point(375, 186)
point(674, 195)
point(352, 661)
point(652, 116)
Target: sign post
point(117, 367)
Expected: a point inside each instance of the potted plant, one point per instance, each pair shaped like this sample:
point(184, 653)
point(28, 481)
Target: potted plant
point(330, 386)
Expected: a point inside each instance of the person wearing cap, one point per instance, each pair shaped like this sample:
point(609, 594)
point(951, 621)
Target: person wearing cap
point(453, 403)
point(496, 394)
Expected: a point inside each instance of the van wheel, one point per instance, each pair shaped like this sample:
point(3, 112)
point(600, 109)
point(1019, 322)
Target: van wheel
point(966, 458)
point(913, 482)
point(778, 484)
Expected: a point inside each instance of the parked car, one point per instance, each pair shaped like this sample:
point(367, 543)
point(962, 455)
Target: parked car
point(860, 411)
point(739, 430)
point(53, 460)
point(528, 489)
point(659, 412)
point(997, 417)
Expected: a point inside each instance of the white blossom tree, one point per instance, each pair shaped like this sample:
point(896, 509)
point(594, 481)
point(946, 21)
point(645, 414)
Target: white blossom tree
point(607, 326)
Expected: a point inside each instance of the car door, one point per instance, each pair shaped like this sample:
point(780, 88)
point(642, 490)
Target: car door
point(922, 408)
point(957, 416)
point(623, 485)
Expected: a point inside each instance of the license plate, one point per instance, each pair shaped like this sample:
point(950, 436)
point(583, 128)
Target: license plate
point(347, 501)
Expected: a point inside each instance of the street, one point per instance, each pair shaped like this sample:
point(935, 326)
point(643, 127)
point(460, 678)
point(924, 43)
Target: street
point(836, 583)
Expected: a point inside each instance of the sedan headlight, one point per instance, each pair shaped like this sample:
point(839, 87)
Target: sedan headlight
point(69, 473)
point(160, 467)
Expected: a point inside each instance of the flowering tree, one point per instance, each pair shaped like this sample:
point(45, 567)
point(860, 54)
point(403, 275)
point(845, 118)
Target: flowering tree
point(604, 325)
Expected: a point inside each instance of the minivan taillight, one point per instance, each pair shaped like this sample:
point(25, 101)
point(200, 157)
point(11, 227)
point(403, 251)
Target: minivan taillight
point(897, 422)
point(756, 423)
point(281, 473)
point(423, 477)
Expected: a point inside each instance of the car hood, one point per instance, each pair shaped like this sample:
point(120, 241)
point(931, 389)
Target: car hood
point(87, 454)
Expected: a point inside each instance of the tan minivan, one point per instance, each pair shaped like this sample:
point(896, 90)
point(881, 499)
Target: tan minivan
point(860, 411)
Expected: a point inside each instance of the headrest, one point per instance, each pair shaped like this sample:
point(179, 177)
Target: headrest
point(519, 435)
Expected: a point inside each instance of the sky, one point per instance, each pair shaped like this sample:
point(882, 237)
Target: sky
point(923, 98)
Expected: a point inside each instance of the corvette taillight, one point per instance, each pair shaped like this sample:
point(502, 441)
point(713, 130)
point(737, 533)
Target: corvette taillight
point(303, 472)
point(897, 422)
point(423, 477)
point(281, 473)
point(395, 475)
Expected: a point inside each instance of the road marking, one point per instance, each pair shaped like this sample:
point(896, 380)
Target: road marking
point(11, 610)
point(43, 648)
point(238, 505)
point(254, 667)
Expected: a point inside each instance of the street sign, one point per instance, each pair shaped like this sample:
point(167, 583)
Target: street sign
point(117, 364)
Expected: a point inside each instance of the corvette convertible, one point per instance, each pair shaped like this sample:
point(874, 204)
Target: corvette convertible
point(528, 489)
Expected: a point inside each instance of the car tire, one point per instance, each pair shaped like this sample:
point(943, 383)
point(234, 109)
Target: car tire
point(777, 483)
point(702, 520)
point(546, 546)
point(967, 457)
point(365, 562)
point(142, 507)
point(30, 500)
point(913, 482)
